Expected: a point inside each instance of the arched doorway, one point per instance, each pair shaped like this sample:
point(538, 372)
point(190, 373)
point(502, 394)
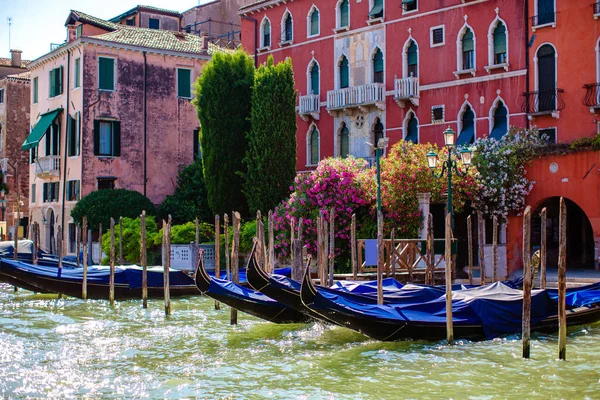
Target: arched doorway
point(580, 236)
point(546, 78)
point(50, 245)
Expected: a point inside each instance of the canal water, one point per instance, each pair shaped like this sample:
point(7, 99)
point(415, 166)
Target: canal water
point(69, 348)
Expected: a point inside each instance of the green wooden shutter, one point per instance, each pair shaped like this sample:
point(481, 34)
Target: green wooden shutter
point(35, 90)
point(77, 71)
point(267, 34)
point(196, 143)
point(57, 191)
point(314, 79)
point(52, 85)
point(96, 137)
point(344, 142)
point(378, 61)
point(411, 53)
point(116, 131)
point(344, 74)
point(48, 139)
point(500, 39)
point(68, 188)
point(59, 79)
point(77, 189)
point(344, 17)
point(78, 132)
point(184, 83)
point(314, 146)
point(314, 22)
point(106, 73)
point(69, 135)
point(467, 41)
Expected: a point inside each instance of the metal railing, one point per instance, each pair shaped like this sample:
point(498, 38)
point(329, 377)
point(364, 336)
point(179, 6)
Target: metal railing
point(543, 19)
point(406, 88)
point(355, 96)
point(592, 95)
point(48, 165)
point(541, 101)
point(309, 104)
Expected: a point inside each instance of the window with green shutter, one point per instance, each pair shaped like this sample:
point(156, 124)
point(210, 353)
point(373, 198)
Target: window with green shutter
point(314, 146)
point(314, 79)
point(55, 87)
point(314, 22)
point(344, 13)
point(184, 84)
point(107, 138)
point(77, 72)
point(412, 129)
point(266, 36)
point(344, 141)
point(411, 59)
point(73, 132)
point(35, 90)
point(288, 30)
point(500, 44)
point(32, 194)
point(344, 73)
point(468, 47)
point(378, 67)
point(377, 9)
point(106, 73)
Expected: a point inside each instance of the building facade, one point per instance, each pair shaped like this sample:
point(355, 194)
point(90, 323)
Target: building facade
point(110, 109)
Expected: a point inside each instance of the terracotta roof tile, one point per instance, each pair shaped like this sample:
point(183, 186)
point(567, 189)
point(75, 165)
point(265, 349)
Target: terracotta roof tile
point(154, 38)
point(86, 18)
point(6, 62)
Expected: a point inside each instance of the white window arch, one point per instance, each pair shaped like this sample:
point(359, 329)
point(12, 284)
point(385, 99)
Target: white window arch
point(313, 145)
point(266, 30)
point(287, 27)
point(467, 124)
point(313, 77)
point(495, 117)
point(342, 14)
point(406, 58)
point(498, 49)
point(313, 22)
point(411, 129)
point(466, 49)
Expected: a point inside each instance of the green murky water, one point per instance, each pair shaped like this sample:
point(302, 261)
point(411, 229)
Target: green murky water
point(68, 348)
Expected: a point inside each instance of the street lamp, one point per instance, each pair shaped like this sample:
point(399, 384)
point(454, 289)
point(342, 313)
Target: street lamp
point(381, 146)
point(450, 164)
point(3, 202)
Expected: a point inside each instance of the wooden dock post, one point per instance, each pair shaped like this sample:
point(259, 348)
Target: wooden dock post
point(84, 235)
point(167, 266)
point(495, 248)
point(235, 247)
point(562, 281)
point(543, 248)
point(292, 237)
point(449, 324)
point(470, 247)
point(481, 245)
point(379, 257)
point(259, 237)
point(111, 289)
point(320, 249)
point(144, 259)
point(430, 267)
point(227, 257)
point(297, 265)
point(326, 249)
point(270, 226)
point(100, 243)
point(392, 258)
point(59, 251)
point(331, 244)
point(526, 335)
point(36, 243)
point(353, 247)
point(121, 241)
point(217, 252)
point(78, 243)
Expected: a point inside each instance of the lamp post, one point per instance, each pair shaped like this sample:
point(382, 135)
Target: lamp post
point(379, 149)
point(451, 164)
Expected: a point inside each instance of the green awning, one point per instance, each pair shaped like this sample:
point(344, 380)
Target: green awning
point(39, 130)
point(407, 2)
point(376, 11)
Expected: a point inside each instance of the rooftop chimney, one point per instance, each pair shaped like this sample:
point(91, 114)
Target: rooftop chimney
point(204, 38)
point(15, 58)
point(71, 32)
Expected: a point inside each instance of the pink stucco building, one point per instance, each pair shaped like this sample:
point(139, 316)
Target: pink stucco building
point(109, 109)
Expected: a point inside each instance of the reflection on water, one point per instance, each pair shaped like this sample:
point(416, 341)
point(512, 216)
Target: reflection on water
point(70, 348)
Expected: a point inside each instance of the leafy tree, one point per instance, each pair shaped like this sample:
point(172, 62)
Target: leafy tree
point(223, 95)
point(189, 200)
point(101, 205)
point(271, 154)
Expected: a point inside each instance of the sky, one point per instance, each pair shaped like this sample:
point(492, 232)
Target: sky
point(37, 23)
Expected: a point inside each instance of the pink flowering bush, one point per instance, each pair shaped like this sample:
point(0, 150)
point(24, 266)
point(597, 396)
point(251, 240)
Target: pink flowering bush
point(344, 185)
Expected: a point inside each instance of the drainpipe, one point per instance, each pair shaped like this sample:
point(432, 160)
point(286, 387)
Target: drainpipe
point(145, 131)
point(527, 60)
point(255, 39)
point(68, 127)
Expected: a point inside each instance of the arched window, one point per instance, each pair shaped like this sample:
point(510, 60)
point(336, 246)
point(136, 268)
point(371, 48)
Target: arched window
point(412, 129)
point(500, 121)
point(467, 131)
point(377, 131)
point(287, 34)
point(314, 79)
point(344, 141)
point(343, 14)
point(266, 33)
point(313, 28)
point(344, 73)
point(313, 146)
point(411, 59)
point(546, 59)
point(468, 50)
point(378, 67)
point(500, 53)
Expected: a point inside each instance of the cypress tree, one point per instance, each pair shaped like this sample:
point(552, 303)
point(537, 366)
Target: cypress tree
point(223, 102)
point(271, 156)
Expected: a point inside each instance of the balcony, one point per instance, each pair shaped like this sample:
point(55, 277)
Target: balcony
point(47, 167)
point(361, 97)
point(592, 96)
point(406, 89)
point(309, 107)
point(543, 102)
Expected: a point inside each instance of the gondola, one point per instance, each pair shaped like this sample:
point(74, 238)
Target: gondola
point(245, 299)
point(478, 313)
point(68, 281)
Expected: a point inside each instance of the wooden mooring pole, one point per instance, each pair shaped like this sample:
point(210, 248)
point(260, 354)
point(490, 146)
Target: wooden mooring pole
point(379, 257)
point(78, 239)
point(392, 262)
point(562, 281)
point(111, 289)
point(143, 259)
point(481, 245)
point(227, 256)
point(217, 253)
point(235, 277)
point(320, 249)
point(121, 241)
point(429, 268)
point(297, 265)
point(36, 243)
point(100, 243)
point(543, 247)
point(270, 226)
point(353, 247)
point(167, 266)
point(470, 247)
point(526, 325)
point(60, 253)
point(495, 248)
point(84, 236)
point(449, 325)
point(331, 244)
